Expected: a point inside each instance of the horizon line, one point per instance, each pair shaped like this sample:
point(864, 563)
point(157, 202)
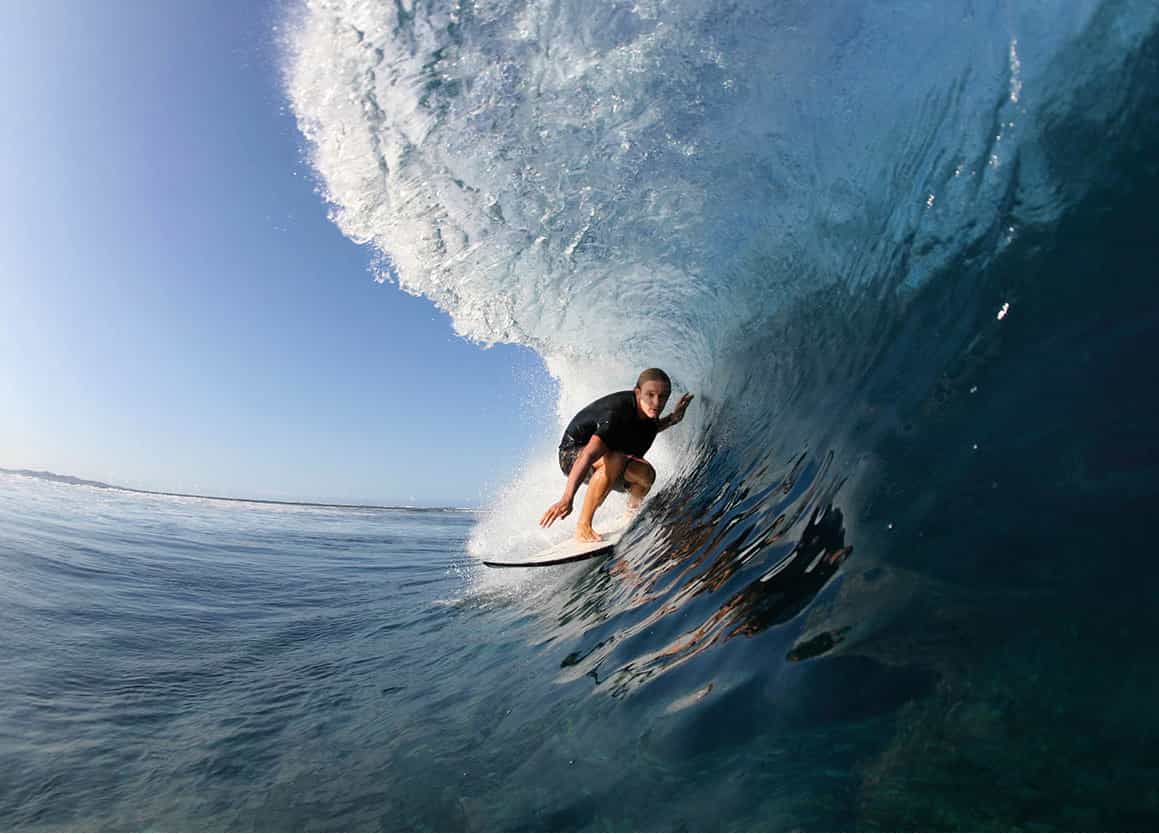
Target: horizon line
point(72, 480)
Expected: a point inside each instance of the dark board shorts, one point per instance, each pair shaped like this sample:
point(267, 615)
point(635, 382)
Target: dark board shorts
point(567, 456)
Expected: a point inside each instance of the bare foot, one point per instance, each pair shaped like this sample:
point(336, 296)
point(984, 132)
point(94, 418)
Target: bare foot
point(585, 533)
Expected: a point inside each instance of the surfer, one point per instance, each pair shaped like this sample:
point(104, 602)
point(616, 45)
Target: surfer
point(604, 445)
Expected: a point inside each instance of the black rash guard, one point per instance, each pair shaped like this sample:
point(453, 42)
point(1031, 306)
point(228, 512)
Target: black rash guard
point(615, 420)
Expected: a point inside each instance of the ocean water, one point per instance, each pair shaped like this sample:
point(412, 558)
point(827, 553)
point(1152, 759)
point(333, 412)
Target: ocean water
point(895, 572)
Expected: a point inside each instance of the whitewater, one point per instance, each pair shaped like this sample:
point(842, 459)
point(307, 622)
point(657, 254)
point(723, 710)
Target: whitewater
point(894, 573)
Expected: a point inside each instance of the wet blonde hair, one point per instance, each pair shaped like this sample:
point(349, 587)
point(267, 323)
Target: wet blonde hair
point(652, 374)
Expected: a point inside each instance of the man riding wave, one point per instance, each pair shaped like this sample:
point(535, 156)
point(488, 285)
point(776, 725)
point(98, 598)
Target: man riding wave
point(604, 446)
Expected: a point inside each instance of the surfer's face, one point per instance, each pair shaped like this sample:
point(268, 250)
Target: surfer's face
point(651, 397)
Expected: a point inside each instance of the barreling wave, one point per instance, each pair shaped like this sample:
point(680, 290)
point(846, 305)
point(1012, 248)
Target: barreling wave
point(819, 218)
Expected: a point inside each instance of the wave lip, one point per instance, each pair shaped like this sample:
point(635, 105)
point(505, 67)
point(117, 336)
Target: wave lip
point(644, 180)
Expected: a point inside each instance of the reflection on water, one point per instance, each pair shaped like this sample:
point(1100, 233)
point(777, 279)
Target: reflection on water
point(750, 558)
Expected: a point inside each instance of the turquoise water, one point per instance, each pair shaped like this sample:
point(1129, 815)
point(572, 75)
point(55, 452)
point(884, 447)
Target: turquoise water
point(164, 655)
point(178, 663)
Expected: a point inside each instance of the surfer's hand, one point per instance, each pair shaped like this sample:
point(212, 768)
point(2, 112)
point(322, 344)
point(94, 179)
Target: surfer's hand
point(560, 509)
point(678, 412)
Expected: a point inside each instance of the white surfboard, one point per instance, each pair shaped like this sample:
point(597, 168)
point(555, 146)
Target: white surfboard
point(566, 551)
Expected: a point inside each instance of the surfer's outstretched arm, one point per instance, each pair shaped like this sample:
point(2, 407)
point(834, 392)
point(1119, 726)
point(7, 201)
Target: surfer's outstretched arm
point(677, 414)
point(593, 451)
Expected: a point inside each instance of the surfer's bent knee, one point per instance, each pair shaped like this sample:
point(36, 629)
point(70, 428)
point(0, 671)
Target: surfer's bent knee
point(642, 472)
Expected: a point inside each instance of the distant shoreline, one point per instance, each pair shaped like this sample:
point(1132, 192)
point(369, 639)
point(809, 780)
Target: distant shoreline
point(74, 481)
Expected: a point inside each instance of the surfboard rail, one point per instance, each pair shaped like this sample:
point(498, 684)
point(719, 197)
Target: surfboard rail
point(562, 553)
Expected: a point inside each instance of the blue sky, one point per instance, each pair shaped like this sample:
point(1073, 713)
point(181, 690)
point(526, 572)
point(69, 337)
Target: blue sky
point(177, 312)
